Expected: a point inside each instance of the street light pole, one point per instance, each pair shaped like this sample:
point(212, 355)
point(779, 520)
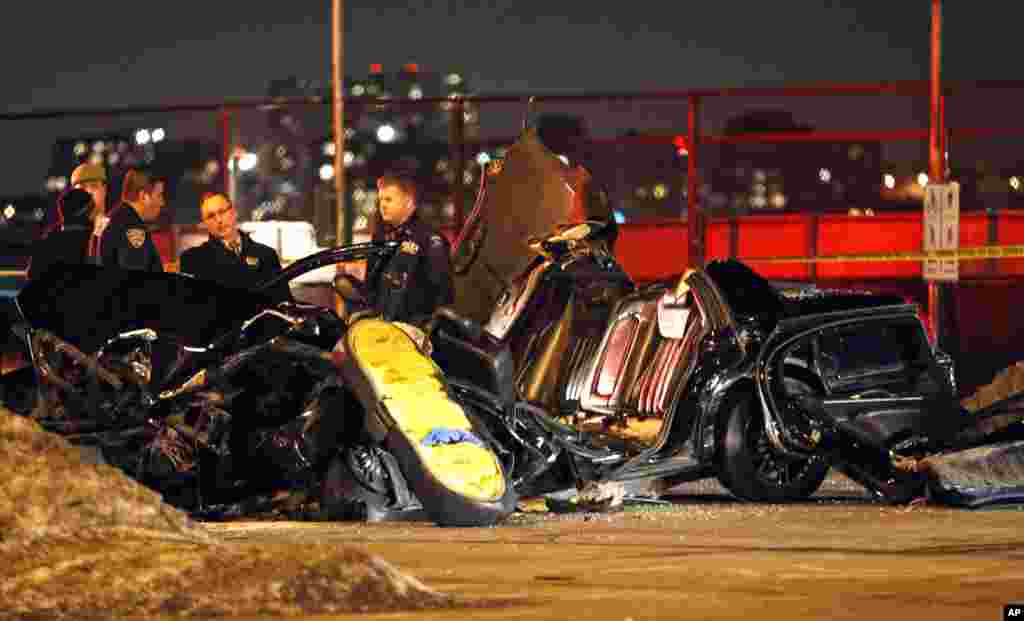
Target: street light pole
point(342, 232)
point(938, 293)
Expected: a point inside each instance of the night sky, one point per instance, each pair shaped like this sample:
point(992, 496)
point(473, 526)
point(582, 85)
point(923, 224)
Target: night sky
point(99, 54)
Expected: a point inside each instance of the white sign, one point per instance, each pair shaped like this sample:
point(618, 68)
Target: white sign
point(941, 229)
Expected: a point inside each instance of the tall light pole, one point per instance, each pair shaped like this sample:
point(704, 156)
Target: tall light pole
point(939, 294)
point(342, 234)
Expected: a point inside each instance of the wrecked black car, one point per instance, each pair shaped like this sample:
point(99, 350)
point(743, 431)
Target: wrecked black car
point(214, 395)
point(585, 377)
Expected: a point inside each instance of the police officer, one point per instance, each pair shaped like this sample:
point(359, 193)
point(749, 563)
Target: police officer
point(69, 241)
point(417, 278)
point(126, 242)
point(229, 256)
point(93, 179)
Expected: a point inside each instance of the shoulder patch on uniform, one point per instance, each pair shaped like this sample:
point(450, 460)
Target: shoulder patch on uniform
point(409, 247)
point(136, 237)
point(252, 261)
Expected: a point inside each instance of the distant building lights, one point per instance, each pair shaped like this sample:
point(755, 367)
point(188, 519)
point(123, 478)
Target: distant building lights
point(158, 134)
point(483, 158)
point(248, 161)
point(327, 172)
point(825, 175)
point(453, 79)
point(922, 179)
point(416, 92)
point(386, 133)
point(348, 158)
point(889, 181)
point(142, 136)
point(1015, 183)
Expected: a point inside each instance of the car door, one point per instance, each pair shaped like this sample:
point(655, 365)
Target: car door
point(874, 374)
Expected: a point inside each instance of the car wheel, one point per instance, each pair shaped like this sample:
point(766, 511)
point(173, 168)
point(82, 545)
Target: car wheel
point(751, 469)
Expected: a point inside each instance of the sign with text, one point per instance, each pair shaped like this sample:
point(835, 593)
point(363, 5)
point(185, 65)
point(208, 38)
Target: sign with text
point(941, 229)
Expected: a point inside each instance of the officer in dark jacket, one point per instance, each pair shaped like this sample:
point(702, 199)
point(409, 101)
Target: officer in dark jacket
point(231, 257)
point(126, 242)
point(417, 278)
point(69, 241)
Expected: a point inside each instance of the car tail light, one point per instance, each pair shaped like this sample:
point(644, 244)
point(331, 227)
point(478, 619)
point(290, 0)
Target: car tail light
point(614, 358)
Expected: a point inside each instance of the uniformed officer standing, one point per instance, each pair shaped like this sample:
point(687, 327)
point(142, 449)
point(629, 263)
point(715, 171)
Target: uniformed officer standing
point(126, 242)
point(417, 278)
point(93, 179)
point(231, 257)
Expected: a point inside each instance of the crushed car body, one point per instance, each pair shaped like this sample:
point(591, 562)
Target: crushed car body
point(718, 373)
point(215, 396)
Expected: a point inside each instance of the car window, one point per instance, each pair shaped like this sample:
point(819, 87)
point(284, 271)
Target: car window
point(870, 355)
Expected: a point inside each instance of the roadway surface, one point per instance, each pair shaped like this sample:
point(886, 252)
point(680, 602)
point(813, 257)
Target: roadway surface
point(703, 556)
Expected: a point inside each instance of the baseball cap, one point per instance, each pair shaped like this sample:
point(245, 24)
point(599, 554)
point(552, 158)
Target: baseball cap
point(87, 172)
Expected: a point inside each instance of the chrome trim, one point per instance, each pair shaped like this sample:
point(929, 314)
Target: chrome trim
point(275, 313)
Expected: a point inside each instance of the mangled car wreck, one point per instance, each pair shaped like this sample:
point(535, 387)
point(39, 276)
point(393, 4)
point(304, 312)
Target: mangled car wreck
point(211, 395)
point(714, 374)
point(553, 370)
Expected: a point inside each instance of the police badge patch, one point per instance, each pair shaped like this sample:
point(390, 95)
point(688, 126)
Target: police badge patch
point(136, 237)
point(252, 261)
point(409, 247)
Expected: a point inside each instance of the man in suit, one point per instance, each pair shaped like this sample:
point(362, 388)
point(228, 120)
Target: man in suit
point(229, 256)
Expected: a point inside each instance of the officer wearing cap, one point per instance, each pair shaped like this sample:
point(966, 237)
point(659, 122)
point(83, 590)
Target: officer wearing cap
point(68, 242)
point(126, 242)
point(418, 277)
point(93, 179)
point(229, 256)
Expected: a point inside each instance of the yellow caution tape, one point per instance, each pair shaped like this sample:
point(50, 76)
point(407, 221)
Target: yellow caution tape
point(957, 254)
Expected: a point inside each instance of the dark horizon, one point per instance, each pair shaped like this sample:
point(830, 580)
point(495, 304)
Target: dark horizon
point(202, 51)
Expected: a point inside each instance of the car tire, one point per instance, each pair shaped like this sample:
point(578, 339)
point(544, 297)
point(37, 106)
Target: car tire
point(751, 470)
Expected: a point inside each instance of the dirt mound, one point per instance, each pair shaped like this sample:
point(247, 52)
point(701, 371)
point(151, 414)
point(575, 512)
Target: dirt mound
point(153, 579)
point(49, 491)
point(84, 541)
